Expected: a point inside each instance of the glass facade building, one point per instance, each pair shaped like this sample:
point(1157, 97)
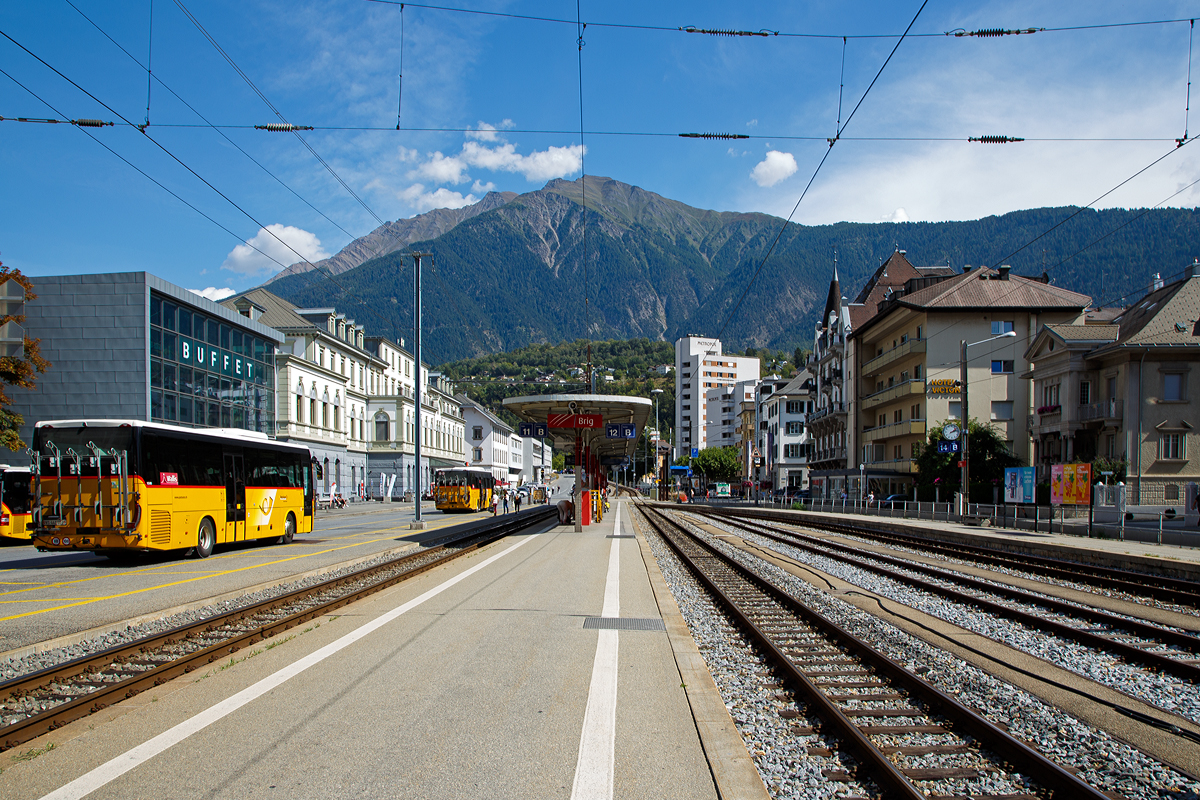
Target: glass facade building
point(207, 372)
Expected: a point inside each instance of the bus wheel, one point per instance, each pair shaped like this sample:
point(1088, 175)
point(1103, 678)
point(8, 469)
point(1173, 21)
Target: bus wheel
point(205, 539)
point(289, 529)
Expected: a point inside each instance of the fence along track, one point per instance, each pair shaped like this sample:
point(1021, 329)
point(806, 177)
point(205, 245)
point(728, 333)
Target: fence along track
point(86, 685)
point(819, 659)
point(1163, 588)
point(1188, 669)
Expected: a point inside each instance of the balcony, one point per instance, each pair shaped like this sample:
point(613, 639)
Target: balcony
point(1112, 410)
point(833, 408)
point(896, 465)
point(881, 362)
point(829, 454)
point(897, 392)
point(912, 427)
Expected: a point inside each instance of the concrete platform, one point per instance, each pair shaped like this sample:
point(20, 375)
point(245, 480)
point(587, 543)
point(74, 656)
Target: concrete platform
point(485, 678)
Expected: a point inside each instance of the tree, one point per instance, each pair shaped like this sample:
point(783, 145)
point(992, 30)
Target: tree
point(717, 464)
point(558, 462)
point(989, 458)
point(798, 357)
point(19, 371)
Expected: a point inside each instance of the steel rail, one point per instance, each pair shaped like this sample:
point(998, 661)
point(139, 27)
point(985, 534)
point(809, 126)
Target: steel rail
point(59, 715)
point(1180, 669)
point(1060, 783)
point(1165, 588)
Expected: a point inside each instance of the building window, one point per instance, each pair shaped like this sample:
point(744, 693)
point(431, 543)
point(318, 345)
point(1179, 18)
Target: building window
point(299, 409)
point(1171, 492)
point(898, 452)
point(1171, 446)
point(898, 415)
point(793, 428)
point(477, 455)
point(1050, 394)
point(918, 333)
point(1173, 387)
point(1085, 393)
point(1112, 446)
point(1001, 327)
point(1002, 367)
point(381, 428)
point(792, 450)
point(477, 434)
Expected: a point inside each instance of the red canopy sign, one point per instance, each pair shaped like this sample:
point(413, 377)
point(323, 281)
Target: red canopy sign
point(574, 420)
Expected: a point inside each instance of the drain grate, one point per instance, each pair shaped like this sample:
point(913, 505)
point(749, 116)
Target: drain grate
point(622, 624)
point(621, 536)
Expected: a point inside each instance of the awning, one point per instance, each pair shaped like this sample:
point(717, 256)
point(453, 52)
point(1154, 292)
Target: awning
point(612, 409)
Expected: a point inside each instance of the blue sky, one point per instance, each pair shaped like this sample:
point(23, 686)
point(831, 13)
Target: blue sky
point(1101, 103)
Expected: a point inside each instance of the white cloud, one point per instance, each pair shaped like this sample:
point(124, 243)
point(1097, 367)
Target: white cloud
point(553, 162)
point(752, 123)
point(487, 132)
point(899, 215)
point(774, 168)
point(442, 197)
point(482, 188)
point(213, 293)
point(443, 169)
point(254, 257)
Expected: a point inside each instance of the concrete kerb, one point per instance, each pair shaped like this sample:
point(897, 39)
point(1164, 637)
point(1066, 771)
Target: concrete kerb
point(733, 770)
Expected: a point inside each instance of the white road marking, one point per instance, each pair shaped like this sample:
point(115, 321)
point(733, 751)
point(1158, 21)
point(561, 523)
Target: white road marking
point(106, 773)
point(597, 743)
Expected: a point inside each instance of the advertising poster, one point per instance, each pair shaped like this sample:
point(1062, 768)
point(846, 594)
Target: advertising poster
point(1068, 491)
point(1056, 484)
point(1018, 484)
point(1083, 484)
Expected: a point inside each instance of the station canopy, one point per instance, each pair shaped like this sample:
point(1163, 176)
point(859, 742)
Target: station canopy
point(551, 409)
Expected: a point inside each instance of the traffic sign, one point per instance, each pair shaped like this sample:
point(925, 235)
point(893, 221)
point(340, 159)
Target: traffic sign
point(695, 452)
point(536, 430)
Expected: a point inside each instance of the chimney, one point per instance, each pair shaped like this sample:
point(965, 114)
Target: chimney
point(966, 268)
point(1195, 270)
point(1004, 270)
point(1158, 281)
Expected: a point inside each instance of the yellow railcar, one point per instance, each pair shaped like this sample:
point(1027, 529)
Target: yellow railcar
point(16, 503)
point(463, 489)
point(123, 486)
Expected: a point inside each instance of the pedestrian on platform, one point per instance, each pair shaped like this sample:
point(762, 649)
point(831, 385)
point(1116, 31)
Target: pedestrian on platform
point(505, 502)
point(517, 500)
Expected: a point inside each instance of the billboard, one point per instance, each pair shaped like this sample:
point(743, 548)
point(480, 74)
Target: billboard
point(1071, 484)
point(1018, 485)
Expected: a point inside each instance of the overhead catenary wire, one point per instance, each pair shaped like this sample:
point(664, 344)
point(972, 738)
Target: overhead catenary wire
point(149, 59)
point(208, 124)
point(400, 75)
point(1187, 106)
point(587, 314)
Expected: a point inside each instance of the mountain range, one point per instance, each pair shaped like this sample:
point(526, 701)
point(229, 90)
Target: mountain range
point(513, 270)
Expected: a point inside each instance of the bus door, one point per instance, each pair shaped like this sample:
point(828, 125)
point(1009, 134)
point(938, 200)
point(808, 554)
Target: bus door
point(235, 498)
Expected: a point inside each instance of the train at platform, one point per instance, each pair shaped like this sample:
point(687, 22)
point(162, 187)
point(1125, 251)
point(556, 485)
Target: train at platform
point(120, 487)
point(463, 489)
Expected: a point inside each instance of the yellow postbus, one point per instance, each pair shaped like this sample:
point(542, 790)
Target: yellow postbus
point(463, 489)
point(124, 486)
point(15, 502)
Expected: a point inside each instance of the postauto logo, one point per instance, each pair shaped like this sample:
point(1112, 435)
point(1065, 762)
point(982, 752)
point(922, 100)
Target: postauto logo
point(214, 359)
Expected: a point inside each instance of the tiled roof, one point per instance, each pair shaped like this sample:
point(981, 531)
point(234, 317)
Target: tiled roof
point(982, 288)
point(1085, 333)
point(277, 312)
point(1166, 316)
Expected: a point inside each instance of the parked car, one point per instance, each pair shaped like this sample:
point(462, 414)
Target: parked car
point(894, 501)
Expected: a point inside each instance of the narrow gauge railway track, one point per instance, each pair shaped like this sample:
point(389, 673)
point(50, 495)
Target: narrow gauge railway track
point(883, 714)
point(34, 704)
point(1150, 638)
point(1164, 589)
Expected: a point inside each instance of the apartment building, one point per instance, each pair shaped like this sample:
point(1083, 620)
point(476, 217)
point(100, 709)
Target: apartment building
point(322, 384)
point(1123, 390)
point(787, 441)
point(489, 439)
point(764, 439)
point(701, 365)
point(720, 413)
point(908, 367)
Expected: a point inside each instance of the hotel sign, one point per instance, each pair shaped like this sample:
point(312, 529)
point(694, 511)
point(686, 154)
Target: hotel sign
point(214, 359)
point(940, 386)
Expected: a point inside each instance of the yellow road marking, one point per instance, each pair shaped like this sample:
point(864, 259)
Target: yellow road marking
point(173, 583)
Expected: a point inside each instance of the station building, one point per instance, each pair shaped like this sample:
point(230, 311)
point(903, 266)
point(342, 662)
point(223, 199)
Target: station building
point(130, 345)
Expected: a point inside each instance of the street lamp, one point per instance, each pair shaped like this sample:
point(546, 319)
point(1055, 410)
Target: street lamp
point(962, 365)
point(657, 427)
